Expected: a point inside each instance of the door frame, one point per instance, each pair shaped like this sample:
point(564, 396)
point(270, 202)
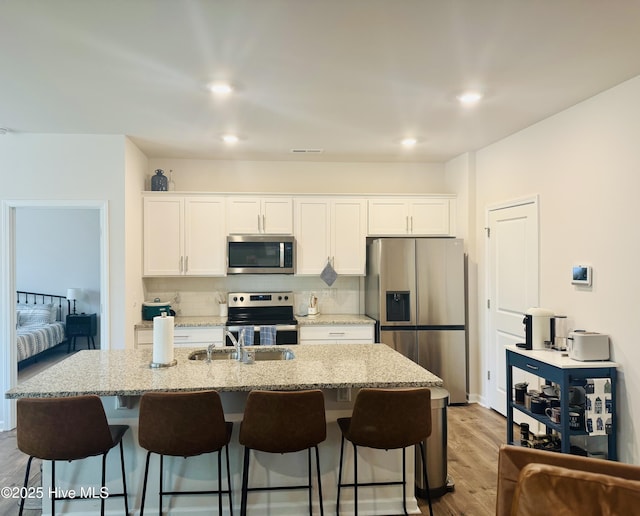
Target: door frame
point(488, 324)
point(8, 352)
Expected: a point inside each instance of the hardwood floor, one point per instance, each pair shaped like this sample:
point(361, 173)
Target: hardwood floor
point(474, 435)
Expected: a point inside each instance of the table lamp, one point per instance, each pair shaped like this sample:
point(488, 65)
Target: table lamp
point(72, 295)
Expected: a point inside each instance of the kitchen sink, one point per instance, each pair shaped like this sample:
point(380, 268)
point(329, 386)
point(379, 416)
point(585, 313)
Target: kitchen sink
point(259, 354)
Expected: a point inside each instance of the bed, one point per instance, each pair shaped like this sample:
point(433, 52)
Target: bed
point(39, 323)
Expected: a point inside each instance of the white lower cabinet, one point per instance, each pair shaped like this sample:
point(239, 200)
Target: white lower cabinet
point(337, 334)
point(184, 336)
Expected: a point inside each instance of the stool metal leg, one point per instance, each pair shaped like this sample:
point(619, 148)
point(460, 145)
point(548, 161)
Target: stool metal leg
point(26, 481)
point(319, 481)
point(144, 484)
point(104, 475)
point(355, 480)
point(309, 480)
point(404, 481)
point(245, 482)
point(226, 448)
point(161, 484)
point(124, 480)
point(424, 472)
point(340, 476)
point(219, 482)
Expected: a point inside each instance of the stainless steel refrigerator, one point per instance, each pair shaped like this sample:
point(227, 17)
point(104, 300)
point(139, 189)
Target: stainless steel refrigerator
point(415, 290)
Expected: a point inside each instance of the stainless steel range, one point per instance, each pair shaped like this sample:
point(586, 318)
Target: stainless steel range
point(259, 309)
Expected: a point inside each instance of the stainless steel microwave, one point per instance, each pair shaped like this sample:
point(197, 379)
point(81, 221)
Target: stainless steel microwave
point(260, 254)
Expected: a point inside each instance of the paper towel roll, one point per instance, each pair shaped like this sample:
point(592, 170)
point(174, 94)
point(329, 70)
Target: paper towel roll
point(162, 339)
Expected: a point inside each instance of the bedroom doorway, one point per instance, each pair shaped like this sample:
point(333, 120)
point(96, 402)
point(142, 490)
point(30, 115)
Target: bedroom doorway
point(97, 297)
point(55, 249)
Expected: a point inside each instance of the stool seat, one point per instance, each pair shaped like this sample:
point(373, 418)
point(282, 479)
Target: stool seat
point(67, 429)
point(184, 424)
point(283, 422)
point(386, 419)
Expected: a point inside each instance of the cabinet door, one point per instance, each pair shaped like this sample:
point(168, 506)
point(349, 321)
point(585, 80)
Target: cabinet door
point(312, 235)
point(388, 217)
point(429, 217)
point(243, 215)
point(348, 236)
point(162, 236)
point(277, 216)
point(205, 236)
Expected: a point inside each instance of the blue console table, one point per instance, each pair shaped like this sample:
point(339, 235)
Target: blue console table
point(556, 367)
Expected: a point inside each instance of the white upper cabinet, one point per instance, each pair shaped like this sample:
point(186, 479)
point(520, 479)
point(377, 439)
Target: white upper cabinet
point(260, 215)
point(184, 236)
point(422, 216)
point(330, 229)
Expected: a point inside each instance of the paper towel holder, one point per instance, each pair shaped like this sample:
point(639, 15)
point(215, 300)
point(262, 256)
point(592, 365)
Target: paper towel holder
point(157, 365)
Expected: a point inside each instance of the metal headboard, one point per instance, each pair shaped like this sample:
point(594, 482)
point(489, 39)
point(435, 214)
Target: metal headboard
point(24, 297)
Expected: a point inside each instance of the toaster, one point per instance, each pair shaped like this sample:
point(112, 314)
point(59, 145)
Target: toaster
point(588, 345)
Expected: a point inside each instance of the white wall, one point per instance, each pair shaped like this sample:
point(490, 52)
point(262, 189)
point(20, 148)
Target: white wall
point(301, 177)
point(72, 167)
point(584, 164)
point(460, 178)
point(136, 166)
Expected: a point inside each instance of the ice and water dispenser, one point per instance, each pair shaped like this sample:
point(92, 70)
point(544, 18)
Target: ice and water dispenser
point(398, 306)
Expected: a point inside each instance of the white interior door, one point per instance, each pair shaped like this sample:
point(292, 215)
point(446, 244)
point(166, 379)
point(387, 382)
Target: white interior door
point(512, 286)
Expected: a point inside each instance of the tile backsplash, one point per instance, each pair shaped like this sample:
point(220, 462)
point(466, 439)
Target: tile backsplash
point(201, 296)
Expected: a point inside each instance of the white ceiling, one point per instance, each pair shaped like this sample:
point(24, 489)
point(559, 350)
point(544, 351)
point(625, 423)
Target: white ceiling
point(351, 77)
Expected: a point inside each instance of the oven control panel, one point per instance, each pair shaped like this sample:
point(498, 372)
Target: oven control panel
point(259, 299)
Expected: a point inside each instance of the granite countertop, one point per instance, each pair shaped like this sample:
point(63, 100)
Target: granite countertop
point(329, 319)
point(315, 366)
point(190, 321)
point(303, 320)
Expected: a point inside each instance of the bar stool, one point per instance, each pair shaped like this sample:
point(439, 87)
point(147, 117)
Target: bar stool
point(184, 424)
point(66, 429)
point(283, 422)
point(387, 419)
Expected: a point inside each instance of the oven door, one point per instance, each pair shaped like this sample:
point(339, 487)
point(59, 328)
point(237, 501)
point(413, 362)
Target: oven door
point(285, 334)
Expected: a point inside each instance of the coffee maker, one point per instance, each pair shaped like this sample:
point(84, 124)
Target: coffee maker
point(538, 328)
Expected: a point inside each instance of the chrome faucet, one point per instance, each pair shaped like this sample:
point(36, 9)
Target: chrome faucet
point(209, 351)
point(237, 343)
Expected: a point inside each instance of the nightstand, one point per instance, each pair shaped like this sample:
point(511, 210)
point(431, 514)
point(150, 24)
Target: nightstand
point(81, 325)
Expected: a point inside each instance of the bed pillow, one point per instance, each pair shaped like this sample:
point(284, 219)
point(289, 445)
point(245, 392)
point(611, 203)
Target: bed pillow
point(28, 307)
point(32, 315)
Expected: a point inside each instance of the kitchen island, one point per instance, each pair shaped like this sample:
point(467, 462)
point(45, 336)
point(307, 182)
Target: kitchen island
point(121, 376)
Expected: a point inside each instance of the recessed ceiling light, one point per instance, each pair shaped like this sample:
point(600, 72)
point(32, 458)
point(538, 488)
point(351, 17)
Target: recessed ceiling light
point(220, 88)
point(469, 98)
point(229, 138)
point(408, 142)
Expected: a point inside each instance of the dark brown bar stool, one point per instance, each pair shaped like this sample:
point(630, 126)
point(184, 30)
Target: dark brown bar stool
point(184, 424)
point(283, 422)
point(67, 429)
point(387, 419)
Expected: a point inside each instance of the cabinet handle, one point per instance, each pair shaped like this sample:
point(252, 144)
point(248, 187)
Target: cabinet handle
point(336, 333)
point(176, 337)
point(186, 264)
point(259, 223)
point(411, 224)
point(407, 223)
point(264, 224)
point(181, 261)
point(531, 366)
